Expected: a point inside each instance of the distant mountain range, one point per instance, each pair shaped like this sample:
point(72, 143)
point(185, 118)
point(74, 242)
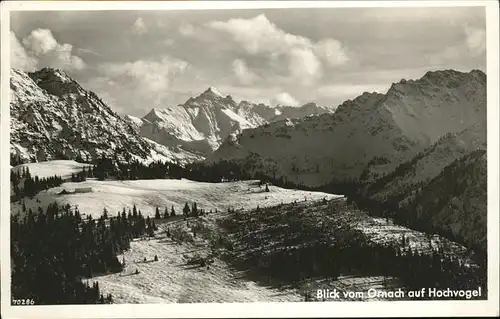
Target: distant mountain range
point(53, 117)
point(203, 122)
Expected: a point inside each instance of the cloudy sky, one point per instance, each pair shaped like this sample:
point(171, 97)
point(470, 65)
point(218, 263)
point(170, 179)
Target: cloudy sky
point(137, 60)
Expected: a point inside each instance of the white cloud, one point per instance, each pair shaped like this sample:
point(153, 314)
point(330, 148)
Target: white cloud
point(138, 85)
point(299, 56)
point(475, 40)
point(331, 51)
point(19, 58)
point(270, 57)
point(304, 65)
point(284, 98)
point(243, 74)
point(139, 27)
point(40, 42)
point(187, 30)
point(149, 76)
point(473, 45)
point(40, 49)
point(259, 35)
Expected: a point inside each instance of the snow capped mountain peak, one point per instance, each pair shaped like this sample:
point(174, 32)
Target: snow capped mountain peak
point(211, 93)
point(211, 97)
point(214, 90)
point(154, 114)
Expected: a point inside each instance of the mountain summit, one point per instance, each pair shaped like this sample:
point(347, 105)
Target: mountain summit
point(202, 123)
point(211, 91)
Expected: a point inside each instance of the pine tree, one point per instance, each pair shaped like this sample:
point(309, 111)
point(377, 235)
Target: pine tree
point(157, 214)
point(149, 227)
point(194, 210)
point(134, 212)
point(172, 211)
point(186, 210)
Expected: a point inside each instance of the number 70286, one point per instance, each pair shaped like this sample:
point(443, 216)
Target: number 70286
point(23, 302)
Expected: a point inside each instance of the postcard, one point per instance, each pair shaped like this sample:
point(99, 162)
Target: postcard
point(249, 159)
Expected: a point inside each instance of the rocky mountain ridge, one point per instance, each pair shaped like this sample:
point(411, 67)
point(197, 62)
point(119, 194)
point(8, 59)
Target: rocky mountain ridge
point(392, 127)
point(53, 117)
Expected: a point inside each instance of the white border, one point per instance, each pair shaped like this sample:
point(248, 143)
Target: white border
point(228, 310)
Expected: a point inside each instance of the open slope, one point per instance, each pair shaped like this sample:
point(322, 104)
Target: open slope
point(170, 280)
point(234, 276)
point(63, 168)
point(149, 194)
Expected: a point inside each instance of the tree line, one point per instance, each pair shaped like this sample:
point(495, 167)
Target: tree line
point(31, 185)
point(187, 211)
point(106, 168)
point(53, 250)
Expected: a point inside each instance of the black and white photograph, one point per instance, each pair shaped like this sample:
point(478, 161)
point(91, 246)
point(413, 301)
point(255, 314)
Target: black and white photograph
point(243, 154)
